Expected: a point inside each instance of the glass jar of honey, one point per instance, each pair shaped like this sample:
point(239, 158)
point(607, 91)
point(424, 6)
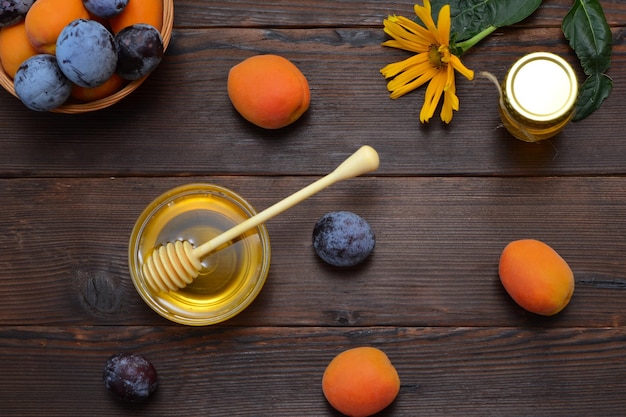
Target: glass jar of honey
point(230, 278)
point(538, 96)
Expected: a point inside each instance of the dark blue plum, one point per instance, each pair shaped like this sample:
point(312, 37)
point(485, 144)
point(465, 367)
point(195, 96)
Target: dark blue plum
point(86, 53)
point(130, 377)
point(342, 238)
point(139, 51)
point(13, 11)
point(105, 8)
point(40, 84)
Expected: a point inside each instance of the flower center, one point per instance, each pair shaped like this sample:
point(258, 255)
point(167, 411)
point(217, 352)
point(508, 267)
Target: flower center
point(438, 56)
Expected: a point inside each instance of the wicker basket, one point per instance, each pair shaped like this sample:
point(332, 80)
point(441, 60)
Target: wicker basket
point(166, 34)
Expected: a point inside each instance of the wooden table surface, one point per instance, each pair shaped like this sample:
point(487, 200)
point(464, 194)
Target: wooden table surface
point(443, 204)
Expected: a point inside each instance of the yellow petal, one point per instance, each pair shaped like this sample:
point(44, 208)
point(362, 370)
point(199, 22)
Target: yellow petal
point(433, 95)
point(425, 15)
point(450, 100)
point(400, 87)
point(450, 103)
point(462, 69)
point(405, 45)
point(449, 79)
point(443, 25)
point(395, 68)
point(407, 31)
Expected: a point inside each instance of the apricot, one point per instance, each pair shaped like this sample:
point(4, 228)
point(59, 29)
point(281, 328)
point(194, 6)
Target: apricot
point(268, 90)
point(536, 276)
point(149, 12)
point(47, 18)
point(360, 382)
point(86, 94)
point(15, 47)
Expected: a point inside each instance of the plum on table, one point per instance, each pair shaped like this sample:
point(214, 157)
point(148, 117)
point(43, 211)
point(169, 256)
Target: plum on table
point(343, 238)
point(130, 376)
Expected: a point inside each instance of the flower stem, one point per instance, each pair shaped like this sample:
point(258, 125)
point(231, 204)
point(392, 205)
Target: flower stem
point(464, 46)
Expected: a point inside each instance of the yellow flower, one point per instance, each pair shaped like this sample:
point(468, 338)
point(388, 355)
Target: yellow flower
point(434, 62)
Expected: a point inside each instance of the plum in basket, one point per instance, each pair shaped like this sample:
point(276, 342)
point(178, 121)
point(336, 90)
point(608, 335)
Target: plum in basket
point(40, 83)
point(105, 8)
point(139, 51)
point(86, 53)
point(13, 11)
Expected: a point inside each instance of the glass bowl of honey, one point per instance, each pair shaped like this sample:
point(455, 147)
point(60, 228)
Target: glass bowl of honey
point(230, 278)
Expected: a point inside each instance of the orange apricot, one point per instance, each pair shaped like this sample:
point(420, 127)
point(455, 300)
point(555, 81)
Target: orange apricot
point(536, 276)
point(360, 382)
point(47, 18)
point(86, 94)
point(15, 47)
point(268, 90)
point(139, 11)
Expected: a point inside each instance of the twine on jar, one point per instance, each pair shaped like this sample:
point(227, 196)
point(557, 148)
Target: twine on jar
point(521, 130)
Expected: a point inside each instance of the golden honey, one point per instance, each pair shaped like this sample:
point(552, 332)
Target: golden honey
point(230, 278)
point(538, 96)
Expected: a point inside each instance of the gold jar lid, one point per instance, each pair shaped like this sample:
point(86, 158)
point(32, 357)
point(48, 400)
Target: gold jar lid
point(541, 89)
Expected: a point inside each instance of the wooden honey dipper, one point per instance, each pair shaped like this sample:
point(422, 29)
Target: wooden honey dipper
point(176, 264)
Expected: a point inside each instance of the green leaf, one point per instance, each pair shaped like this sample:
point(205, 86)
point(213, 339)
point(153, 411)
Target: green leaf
point(591, 95)
point(589, 35)
point(471, 17)
point(509, 12)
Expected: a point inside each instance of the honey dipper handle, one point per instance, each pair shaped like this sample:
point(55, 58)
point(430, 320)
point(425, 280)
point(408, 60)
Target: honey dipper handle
point(364, 160)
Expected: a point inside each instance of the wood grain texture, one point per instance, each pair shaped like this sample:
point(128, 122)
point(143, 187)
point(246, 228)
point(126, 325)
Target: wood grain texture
point(64, 253)
point(344, 13)
point(181, 122)
point(443, 204)
point(225, 371)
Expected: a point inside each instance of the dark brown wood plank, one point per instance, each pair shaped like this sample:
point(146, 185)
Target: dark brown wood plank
point(64, 251)
point(225, 371)
point(345, 13)
point(186, 125)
